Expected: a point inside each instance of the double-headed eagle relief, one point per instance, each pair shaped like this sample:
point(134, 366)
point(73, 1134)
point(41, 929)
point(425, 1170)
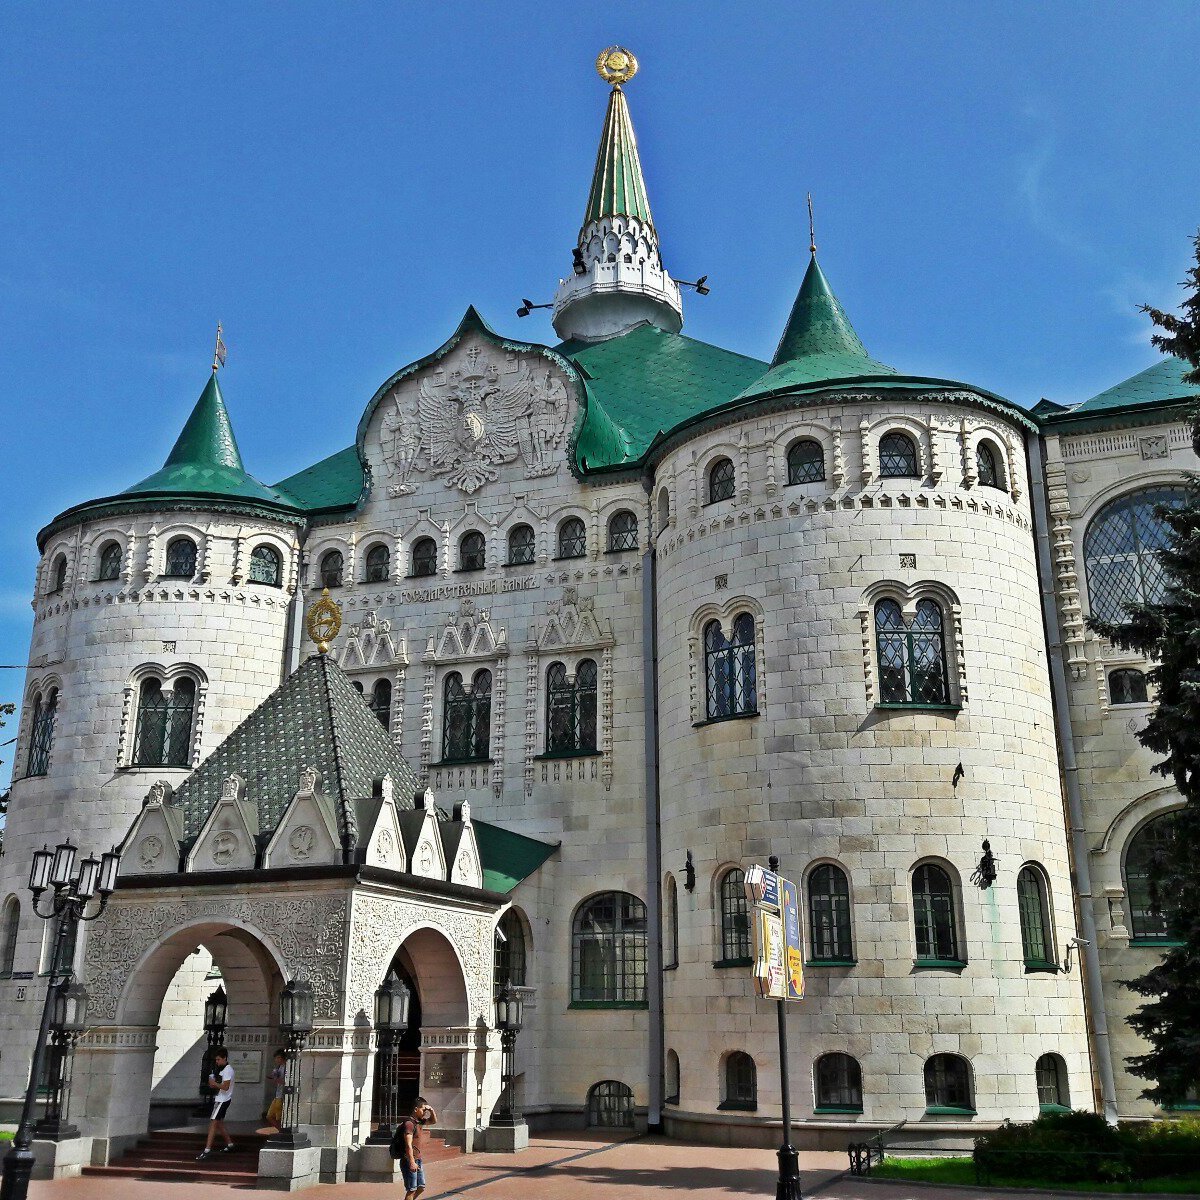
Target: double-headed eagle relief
point(467, 421)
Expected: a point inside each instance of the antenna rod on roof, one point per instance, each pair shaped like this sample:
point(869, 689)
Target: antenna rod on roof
point(812, 236)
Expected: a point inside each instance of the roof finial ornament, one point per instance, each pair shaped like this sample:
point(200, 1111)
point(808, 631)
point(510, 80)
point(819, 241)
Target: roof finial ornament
point(812, 235)
point(616, 65)
point(323, 622)
point(218, 350)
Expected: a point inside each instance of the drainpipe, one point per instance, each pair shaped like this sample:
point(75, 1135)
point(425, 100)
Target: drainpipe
point(654, 965)
point(291, 645)
point(1093, 983)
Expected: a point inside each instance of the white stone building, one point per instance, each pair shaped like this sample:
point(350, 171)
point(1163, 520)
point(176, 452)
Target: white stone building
point(624, 616)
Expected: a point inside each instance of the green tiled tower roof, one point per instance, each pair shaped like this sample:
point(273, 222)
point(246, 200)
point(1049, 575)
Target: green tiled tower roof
point(618, 188)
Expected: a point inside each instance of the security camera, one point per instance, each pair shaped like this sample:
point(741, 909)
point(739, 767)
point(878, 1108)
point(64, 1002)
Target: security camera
point(500, 935)
point(1079, 942)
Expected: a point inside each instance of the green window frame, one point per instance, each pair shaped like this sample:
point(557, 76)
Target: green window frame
point(721, 481)
point(912, 657)
point(333, 566)
point(163, 729)
point(805, 462)
point(608, 952)
point(610, 1105)
point(735, 918)
point(266, 566)
point(378, 564)
point(948, 1084)
point(572, 538)
point(1150, 919)
point(622, 531)
point(740, 1082)
point(522, 547)
point(571, 709)
point(424, 558)
point(830, 932)
point(988, 470)
point(41, 733)
point(934, 916)
point(9, 932)
point(510, 964)
point(472, 551)
point(1051, 1074)
point(730, 674)
point(467, 718)
point(1127, 686)
point(898, 458)
point(838, 1084)
point(111, 557)
point(181, 558)
point(1033, 903)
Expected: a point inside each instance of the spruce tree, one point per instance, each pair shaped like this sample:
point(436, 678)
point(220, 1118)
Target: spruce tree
point(1168, 631)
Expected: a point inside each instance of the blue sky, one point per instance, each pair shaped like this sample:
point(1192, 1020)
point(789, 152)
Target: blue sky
point(997, 188)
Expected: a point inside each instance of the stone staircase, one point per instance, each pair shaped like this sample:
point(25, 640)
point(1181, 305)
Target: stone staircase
point(169, 1156)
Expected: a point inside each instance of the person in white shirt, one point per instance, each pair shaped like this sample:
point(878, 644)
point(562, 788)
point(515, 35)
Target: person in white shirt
point(220, 1080)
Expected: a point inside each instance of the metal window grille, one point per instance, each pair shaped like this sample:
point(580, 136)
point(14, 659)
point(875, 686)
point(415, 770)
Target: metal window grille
point(510, 953)
point(610, 1105)
point(729, 669)
point(521, 547)
point(381, 702)
point(266, 566)
point(332, 565)
point(424, 557)
point(472, 552)
point(720, 481)
point(1050, 1080)
point(572, 539)
point(571, 709)
point(912, 658)
point(1031, 901)
point(41, 733)
point(163, 735)
point(735, 917)
point(1149, 916)
point(839, 1082)
point(60, 573)
point(181, 558)
point(987, 466)
point(898, 457)
point(741, 1086)
point(467, 718)
point(623, 531)
point(1127, 686)
point(12, 927)
point(110, 562)
point(609, 950)
point(829, 913)
point(1120, 551)
point(379, 564)
point(933, 913)
point(806, 462)
point(947, 1082)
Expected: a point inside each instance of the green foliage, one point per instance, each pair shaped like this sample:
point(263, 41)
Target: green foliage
point(1182, 336)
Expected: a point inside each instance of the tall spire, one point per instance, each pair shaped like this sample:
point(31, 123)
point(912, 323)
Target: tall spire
point(618, 279)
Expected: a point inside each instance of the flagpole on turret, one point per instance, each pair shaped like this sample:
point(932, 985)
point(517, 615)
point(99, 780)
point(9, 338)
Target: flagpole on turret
point(219, 351)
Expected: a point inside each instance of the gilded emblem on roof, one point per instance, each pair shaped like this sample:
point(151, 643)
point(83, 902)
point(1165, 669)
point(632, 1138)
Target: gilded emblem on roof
point(323, 621)
point(616, 65)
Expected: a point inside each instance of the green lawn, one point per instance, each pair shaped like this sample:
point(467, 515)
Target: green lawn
point(5, 1136)
point(961, 1171)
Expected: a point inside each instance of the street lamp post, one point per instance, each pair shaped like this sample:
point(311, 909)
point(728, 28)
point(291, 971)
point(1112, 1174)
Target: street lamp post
point(392, 1000)
point(216, 1009)
point(71, 892)
point(67, 1022)
point(509, 1014)
point(295, 1023)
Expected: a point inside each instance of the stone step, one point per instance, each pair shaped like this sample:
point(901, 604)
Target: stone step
point(194, 1172)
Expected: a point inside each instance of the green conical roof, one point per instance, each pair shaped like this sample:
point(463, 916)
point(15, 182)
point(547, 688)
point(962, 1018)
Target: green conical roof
point(617, 184)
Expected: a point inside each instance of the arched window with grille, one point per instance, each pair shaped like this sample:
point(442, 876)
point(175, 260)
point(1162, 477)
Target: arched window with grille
point(41, 732)
point(424, 557)
point(1150, 914)
point(805, 462)
point(898, 458)
point(1120, 549)
point(934, 916)
point(381, 702)
point(838, 1084)
point(572, 538)
point(378, 564)
point(989, 467)
point(163, 729)
point(472, 551)
point(522, 546)
point(266, 566)
point(510, 966)
point(610, 1105)
point(111, 557)
point(731, 685)
point(608, 952)
point(1127, 686)
point(948, 1084)
point(912, 656)
point(332, 567)
point(671, 1081)
point(721, 481)
point(467, 718)
point(58, 575)
point(10, 928)
point(830, 937)
point(180, 560)
point(1033, 902)
point(571, 709)
point(1051, 1074)
point(622, 531)
point(735, 919)
point(739, 1084)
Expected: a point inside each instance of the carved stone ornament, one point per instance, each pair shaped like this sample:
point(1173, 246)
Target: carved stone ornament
point(150, 850)
point(384, 846)
point(225, 847)
point(300, 842)
point(308, 780)
point(1154, 447)
point(467, 863)
point(425, 858)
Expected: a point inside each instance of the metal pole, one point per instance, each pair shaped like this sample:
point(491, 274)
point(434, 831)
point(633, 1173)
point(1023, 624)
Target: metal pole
point(788, 1186)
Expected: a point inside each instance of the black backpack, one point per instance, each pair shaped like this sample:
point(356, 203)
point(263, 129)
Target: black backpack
point(397, 1148)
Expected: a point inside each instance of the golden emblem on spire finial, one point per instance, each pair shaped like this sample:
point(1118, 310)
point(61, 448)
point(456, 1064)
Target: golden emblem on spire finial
point(323, 621)
point(616, 65)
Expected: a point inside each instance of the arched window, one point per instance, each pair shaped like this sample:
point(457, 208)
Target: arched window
point(41, 732)
point(467, 718)
point(740, 1084)
point(912, 658)
point(934, 916)
point(571, 709)
point(829, 914)
point(110, 562)
point(510, 951)
point(720, 481)
point(10, 928)
point(838, 1079)
point(522, 548)
point(731, 688)
point(988, 466)
point(948, 1083)
point(1127, 686)
point(671, 1082)
point(608, 959)
point(623, 531)
point(379, 564)
point(58, 575)
point(1051, 1075)
point(381, 702)
point(671, 917)
point(1119, 551)
point(898, 457)
point(664, 509)
point(1150, 916)
point(610, 1105)
point(424, 557)
point(332, 566)
point(472, 551)
point(163, 733)
point(572, 538)
point(1033, 901)
point(181, 558)
point(805, 462)
point(735, 918)
point(266, 566)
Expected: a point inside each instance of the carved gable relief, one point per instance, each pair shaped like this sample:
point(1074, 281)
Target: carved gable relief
point(370, 646)
point(479, 408)
point(424, 846)
point(152, 844)
point(306, 836)
point(383, 841)
point(227, 839)
point(466, 867)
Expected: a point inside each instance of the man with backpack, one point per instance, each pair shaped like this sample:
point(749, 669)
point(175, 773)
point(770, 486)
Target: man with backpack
point(406, 1146)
